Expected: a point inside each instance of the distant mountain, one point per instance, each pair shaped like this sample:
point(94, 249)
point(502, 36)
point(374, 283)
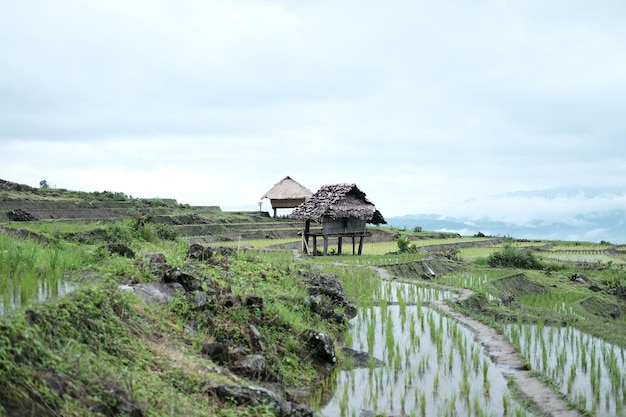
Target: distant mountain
point(588, 227)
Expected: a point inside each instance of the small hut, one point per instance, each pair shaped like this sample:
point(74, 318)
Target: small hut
point(287, 193)
point(342, 210)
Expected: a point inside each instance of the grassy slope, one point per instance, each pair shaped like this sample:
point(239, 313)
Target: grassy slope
point(99, 351)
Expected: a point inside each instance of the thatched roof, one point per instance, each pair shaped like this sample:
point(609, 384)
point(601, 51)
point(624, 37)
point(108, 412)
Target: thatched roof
point(337, 201)
point(287, 189)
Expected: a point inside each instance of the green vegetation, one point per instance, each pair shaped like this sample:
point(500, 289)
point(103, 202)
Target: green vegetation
point(100, 350)
point(513, 257)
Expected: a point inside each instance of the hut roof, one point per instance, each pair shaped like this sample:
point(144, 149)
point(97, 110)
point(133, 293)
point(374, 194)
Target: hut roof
point(337, 201)
point(287, 189)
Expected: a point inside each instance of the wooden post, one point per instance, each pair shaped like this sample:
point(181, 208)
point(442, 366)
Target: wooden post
point(275, 212)
point(325, 245)
point(305, 245)
point(361, 244)
point(307, 231)
point(339, 245)
point(353, 248)
point(314, 245)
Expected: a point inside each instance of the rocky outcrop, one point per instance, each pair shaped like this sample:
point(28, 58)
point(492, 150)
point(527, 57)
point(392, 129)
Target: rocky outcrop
point(19, 215)
point(257, 396)
point(328, 298)
point(360, 359)
point(245, 355)
point(121, 250)
point(322, 346)
point(156, 292)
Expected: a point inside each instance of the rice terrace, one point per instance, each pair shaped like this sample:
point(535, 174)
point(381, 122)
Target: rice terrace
point(117, 306)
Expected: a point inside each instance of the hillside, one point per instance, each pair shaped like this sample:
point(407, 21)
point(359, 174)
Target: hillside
point(155, 307)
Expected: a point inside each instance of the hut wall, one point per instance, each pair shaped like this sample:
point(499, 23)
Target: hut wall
point(342, 225)
point(287, 203)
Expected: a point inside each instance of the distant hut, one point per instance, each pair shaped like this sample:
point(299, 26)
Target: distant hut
point(287, 193)
point(342, 210)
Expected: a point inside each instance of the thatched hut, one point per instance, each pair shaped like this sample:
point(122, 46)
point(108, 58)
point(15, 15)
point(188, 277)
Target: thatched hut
point(342, 210)
point(287, 193)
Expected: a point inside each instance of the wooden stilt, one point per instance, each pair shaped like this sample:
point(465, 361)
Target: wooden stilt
point(339, 239)
point(361, 244)
point(325, 245)
point(307, 230)
point(353, 248)
point(314, 245)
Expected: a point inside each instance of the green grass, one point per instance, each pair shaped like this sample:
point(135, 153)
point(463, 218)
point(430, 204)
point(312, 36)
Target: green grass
point(89, 336)
point(255, 243)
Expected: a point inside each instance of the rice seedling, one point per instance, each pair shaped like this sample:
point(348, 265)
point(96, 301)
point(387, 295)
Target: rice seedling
point(31, 271)
point(486, 383)
point(594, 367)
point(424, 380)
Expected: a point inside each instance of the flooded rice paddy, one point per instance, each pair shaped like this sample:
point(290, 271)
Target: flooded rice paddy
point(587, 370)
point(432, 365)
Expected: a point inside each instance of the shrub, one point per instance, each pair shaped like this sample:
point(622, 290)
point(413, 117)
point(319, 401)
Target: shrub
point(403, 243)
point(166, 232)
point(513, 257)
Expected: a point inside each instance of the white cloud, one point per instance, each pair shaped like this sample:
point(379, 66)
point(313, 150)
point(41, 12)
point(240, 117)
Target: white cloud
point(428, 107)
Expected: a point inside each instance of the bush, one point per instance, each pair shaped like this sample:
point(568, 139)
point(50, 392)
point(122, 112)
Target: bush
point(403, 243)
point(166, 232)
point(513, 257)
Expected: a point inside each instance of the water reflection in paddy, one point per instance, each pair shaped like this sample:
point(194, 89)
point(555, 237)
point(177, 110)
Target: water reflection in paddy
point(588, 370)
point(432, 366)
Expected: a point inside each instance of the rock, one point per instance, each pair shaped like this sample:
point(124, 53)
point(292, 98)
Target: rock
point(580, 278)
point(19, 215)
point(217, 351)
point(121, 249)
point(200, 301)
point(225, 251)
point(155, 259)
point(199, 252)
point(251, 366)
point(595, 288)
point(256, 338)
point(156, 263)
point(321, 345)
point(158, 293)
point(189, 282)
point(324, 307)
point(258, 396)
point(506, 300)
point(328, 286)
point(360, 359)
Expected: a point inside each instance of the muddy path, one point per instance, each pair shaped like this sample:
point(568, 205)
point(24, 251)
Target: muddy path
point(503, 354)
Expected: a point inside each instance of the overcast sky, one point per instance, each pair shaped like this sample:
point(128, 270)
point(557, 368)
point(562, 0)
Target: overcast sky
point(428, 106)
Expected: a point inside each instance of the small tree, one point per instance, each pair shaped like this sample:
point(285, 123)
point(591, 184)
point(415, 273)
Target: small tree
point(43, 184)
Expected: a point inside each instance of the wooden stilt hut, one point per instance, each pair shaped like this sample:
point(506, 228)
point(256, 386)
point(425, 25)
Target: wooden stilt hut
point(287, 193)
point(342, 210)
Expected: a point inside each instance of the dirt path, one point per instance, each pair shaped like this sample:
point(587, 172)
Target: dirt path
point(504, 356)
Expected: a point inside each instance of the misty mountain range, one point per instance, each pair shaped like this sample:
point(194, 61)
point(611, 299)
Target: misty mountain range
point(567, 213)
point(609, 227)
